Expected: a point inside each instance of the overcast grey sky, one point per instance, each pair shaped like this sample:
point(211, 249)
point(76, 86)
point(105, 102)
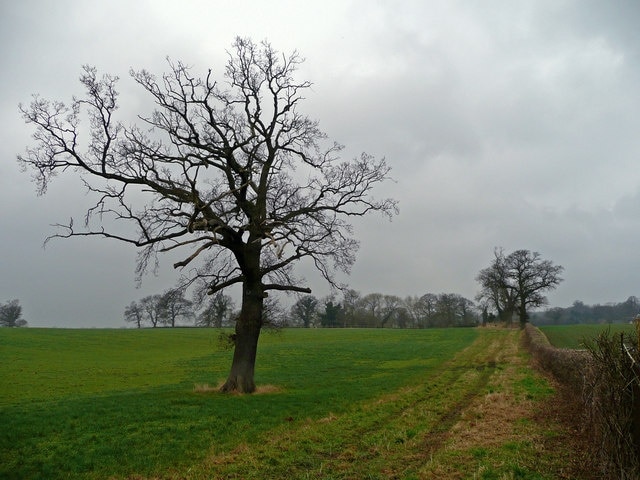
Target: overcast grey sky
point(507, 123)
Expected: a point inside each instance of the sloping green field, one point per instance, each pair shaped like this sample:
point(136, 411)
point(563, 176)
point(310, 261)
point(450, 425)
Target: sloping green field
point(349, 404)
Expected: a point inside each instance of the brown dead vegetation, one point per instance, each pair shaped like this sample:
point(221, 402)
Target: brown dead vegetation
point(489, 421)
point(260, 389)
point(596, 402)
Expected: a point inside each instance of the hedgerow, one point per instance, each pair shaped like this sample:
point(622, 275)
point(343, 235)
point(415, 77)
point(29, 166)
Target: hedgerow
point(605, 378)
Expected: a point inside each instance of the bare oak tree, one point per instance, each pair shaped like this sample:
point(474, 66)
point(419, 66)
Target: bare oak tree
point(134, 313)
point(231, 172)
point(151, 308)
point(217, 310)
point(532, 276)
point(517, 282)
point(495, 287)
point(305, 311)
point(174, 306)
point(11, 314)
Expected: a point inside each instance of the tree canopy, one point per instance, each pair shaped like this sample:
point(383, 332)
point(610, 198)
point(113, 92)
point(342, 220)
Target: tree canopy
point(516, 283)
point(226, 170)
point(11, 314)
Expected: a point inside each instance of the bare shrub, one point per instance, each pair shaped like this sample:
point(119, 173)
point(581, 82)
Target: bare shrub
point(612, 401)
point(605, 377)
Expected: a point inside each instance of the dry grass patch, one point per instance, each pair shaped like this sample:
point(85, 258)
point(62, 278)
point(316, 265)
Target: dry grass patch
point(260, 389)
point(520, 429)
point(328, 419)
point(491, 422)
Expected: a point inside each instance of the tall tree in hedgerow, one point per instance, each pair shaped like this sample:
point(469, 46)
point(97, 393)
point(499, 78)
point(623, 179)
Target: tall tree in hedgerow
point(517, 282)
point(226, 169)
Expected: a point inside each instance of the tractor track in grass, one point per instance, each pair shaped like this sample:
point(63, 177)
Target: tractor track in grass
point(471, 419)
point(393, 436)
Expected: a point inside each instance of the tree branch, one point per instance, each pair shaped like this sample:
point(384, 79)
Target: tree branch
point(289, 288)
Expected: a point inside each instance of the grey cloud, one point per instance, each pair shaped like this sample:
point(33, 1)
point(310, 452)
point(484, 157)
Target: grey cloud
point(507, 124)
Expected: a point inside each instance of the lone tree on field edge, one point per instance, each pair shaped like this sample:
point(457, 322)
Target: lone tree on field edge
point(231, 173)
point(516, 282)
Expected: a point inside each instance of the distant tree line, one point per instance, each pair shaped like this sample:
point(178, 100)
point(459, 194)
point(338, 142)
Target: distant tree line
point(511, 285)
point(622, 312)
point(373, 310)
point(172, 309)
point(377, 310)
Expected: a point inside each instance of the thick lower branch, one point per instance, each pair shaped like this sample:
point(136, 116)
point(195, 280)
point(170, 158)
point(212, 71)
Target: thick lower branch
point(191, 257)
point(221, 286)
point(287, 288)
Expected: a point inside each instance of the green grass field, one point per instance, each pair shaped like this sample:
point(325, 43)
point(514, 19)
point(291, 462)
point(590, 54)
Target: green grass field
point(573, 336)
point(121, 404)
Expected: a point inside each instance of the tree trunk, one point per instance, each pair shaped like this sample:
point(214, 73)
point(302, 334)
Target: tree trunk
point(248, 325)
point(522, 311)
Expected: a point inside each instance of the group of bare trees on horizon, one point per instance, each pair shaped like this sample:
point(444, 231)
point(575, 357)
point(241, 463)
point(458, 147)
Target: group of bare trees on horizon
point(512, 284)
point(372, 310)
point(172, 308)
